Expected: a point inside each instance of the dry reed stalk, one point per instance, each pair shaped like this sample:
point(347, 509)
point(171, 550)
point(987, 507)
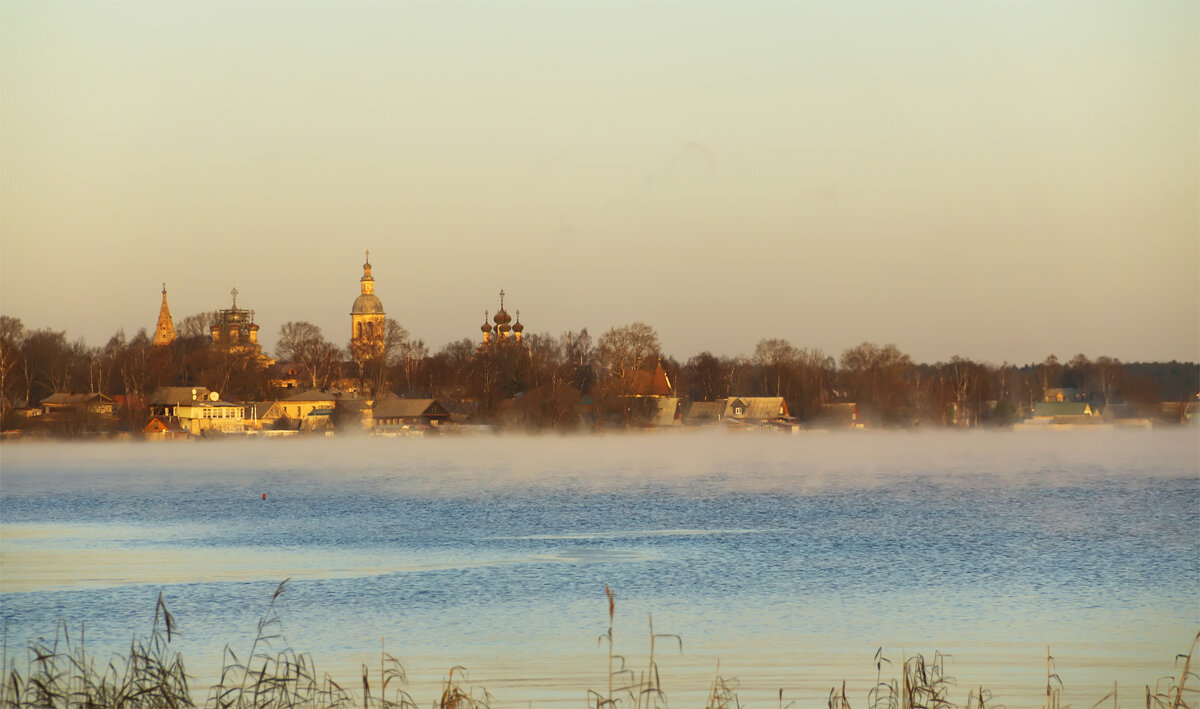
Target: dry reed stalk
point(455, 697)
point(723, 694)
point(1053, 694)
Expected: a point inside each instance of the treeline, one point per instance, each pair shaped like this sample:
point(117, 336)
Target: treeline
point(546, 381)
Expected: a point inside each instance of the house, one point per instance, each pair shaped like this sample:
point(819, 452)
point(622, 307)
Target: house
point(1125, 416)
point(62, 404)
point(200, 418)
point(77, 414)
point(703, 413)
point(164, 428)
point(164, 399)
point(268, 416)
point(396, 413)
point(657, 412)
point(288, 375)
point(840, 415)
point(317, 421)
point(302, 403)
point(737, 410)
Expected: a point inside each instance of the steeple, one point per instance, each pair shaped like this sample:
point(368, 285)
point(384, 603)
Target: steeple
point(367, 280)
point(368, 322)
point(164, 331)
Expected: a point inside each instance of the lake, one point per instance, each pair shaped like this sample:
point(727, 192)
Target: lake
point(788, 560)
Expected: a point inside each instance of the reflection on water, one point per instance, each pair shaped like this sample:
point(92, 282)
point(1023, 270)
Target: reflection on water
point(788, 559)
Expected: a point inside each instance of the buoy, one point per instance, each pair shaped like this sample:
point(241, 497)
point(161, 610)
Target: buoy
point(264, 495)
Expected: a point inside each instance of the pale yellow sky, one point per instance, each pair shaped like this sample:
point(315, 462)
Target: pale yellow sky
point(997, 180)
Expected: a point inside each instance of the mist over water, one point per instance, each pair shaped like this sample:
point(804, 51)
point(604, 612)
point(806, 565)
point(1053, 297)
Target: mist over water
point(789, 559)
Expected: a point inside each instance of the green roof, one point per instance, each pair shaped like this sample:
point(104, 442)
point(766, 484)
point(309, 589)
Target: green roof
point(1061, 408)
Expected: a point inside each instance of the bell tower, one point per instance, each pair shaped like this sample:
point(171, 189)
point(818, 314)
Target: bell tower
point(367, 318)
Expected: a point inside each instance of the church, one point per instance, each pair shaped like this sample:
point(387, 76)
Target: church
point(501, 333)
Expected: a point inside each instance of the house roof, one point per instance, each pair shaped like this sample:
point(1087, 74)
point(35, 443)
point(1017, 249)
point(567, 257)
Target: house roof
point(1061, 408)
point(64, 399)
point(177, 396)
point(164, 424)
point(650, 382)
point(316, 395)
point(287, 370)
point(263, 409)
point(701, 411)
point(408, 408)
point(756, 408)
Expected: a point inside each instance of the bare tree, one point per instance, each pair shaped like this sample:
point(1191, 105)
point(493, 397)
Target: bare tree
point(47, 363)
point(970, 384)
point(1110, 374)
point(621, 354)
point(875, 376)
point(197, 325)
point(411, 355)
point(579, 354)
point(1047, 375)
point(706, 377)
point(625, 350)
point(303, 342)
point(12, 337)
point(375, 360)
point(775, 357)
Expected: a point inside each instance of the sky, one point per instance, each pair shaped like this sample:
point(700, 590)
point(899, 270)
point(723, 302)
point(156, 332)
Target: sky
point(999, 181)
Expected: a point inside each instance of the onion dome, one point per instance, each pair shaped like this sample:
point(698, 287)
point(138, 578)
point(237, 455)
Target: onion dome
point(517, 326)
point(485, 327)
point(367, 303)
point(502, 318)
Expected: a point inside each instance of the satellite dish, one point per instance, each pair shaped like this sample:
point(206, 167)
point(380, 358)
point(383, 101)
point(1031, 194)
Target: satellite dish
point(213, 396)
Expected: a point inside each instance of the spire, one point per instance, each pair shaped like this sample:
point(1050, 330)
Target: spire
point(164, 331)
point(367, 280)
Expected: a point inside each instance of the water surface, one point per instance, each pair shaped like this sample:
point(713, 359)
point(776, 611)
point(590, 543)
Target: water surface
point(789, 560)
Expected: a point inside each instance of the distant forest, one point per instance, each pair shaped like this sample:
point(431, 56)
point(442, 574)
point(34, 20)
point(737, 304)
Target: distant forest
point(543, 380)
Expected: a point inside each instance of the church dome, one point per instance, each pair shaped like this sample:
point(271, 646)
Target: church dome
point(367, 304)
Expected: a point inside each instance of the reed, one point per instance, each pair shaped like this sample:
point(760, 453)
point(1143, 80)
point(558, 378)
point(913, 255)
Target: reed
point(60, 674)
